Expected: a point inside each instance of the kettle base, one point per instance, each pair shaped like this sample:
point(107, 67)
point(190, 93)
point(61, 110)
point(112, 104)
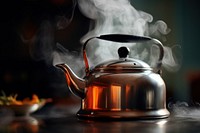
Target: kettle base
point(123, 115)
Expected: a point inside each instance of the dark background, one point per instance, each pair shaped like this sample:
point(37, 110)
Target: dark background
point(23, 71)
point(25, 74)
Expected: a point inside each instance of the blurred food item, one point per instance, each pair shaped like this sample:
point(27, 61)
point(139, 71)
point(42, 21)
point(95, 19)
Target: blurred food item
point(22, 107)
point(12, 100)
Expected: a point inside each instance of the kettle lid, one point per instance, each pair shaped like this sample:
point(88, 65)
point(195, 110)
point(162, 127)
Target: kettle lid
point(123, 63)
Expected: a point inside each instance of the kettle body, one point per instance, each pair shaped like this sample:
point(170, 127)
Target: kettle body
point(120, 89)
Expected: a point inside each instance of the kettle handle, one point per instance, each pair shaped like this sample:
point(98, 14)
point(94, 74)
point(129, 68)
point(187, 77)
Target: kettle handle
point(123, 38)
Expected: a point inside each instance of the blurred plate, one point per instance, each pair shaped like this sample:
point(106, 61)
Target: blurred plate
point(25, 109)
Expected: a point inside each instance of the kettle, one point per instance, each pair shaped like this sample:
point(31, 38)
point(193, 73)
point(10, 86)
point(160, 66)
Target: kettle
point(123, 88)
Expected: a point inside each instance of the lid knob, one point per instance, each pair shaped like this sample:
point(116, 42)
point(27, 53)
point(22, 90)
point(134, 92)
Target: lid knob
point(123, 52)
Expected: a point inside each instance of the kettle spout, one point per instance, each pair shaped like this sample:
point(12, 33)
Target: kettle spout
point(75, 84)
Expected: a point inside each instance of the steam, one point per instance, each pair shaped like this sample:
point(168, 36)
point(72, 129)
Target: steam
point(107, 17)
point(172, 58)
point(184, 110)
point(120, 17)
point(42, 44)
point(63, 21)
point(62, 55)
point(44, 48)
point(114, 16)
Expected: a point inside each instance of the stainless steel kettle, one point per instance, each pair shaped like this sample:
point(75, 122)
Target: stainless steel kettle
point(125, 88)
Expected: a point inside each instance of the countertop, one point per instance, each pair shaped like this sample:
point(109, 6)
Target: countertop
point(62, 119)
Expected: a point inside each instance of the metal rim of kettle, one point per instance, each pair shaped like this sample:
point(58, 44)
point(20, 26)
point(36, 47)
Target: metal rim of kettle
point(124, 38)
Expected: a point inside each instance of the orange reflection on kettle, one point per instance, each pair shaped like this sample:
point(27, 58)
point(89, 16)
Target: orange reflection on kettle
point(94, 95)
point(115, 97)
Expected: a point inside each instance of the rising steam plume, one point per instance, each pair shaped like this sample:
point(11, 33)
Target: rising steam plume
point(107, 17)
point(120, 17)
